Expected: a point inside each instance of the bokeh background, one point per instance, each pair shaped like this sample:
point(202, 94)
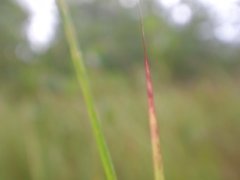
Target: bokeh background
point(194, 49)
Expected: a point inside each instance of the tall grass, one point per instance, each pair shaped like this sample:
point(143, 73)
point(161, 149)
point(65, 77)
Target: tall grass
point(200, 124)
point(83, 80)
point(82, 76)
point(156, 150)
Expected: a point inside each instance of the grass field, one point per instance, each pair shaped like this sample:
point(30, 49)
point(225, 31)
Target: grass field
point(47, 135)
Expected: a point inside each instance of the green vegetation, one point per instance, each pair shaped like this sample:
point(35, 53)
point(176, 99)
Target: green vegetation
point(82, 76)
point(44, 129)
point(50, 135)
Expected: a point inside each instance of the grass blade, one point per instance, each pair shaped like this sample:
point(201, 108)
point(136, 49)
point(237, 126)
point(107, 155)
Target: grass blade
point(156, 150)
point(84, 83)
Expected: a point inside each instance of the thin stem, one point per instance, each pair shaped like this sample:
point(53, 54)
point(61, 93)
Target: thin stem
point(84, 83)
point(156, 150)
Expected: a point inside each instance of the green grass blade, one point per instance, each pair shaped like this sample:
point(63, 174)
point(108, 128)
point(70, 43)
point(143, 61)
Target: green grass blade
point(84, 83)
point(155, 140)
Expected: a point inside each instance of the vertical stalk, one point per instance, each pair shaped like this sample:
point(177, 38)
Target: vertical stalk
point(82, 77)
point(154, 132)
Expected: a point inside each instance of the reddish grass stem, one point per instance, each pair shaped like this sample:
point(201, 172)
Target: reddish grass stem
point(154, 132)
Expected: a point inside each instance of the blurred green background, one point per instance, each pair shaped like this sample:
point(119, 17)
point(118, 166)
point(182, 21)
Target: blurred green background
point(194, 51)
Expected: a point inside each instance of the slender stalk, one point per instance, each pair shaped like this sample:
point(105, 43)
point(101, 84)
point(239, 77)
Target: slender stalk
point(154, 132)
point(84, 83)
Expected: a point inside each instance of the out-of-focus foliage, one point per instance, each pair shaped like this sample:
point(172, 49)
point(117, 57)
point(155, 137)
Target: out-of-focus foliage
point(11, 19)
point(49, 137)
point(109, 36)
point(44, 133)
